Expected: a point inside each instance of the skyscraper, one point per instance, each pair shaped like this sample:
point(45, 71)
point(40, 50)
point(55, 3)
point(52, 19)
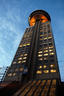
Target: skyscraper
point(36, 58)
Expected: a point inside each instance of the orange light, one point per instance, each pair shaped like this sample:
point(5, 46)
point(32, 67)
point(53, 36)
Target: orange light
point(40, 17)
point(32, 21)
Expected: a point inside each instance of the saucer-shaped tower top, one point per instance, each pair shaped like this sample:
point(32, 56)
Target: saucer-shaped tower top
point(38, 15)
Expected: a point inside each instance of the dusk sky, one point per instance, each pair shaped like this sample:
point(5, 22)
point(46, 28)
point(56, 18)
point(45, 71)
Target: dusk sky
point(14, 20)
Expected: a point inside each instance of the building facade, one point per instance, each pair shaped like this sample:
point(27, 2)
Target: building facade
point(36, 57)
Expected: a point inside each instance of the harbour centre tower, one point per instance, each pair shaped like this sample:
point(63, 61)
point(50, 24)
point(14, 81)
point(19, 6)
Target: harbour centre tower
point(35, 62)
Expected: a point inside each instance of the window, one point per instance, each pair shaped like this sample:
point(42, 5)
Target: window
point(24, 57)
point(23, 61)
point(51, 53)
point(20, 45)
point(41, 35)
point(46, 71)
point(14, 62)
point(24, 44)
point(39, 72)
point(19, 58)
point(21, 55)
point(44, 66)
point(28, 44)
point(19, 61)
point(25, 54)
point(39, 55)
point(45, 47)
point(45, 58)
point(45, 38)
point(10, 74)
point(50, 43)
point(52, 65)
point(46, 54)
point(50, 46)
point(40, 58)
point(53, 70)
point(50, 37)
point(45, 50)
point(21, 69)
point(14, 74)
point(40, 66)
point(51, 50)
point(40, 52)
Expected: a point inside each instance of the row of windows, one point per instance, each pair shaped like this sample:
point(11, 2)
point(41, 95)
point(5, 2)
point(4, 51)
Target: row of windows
point(45, 66)
point(12, 74)
point(46, 71)
point(45, 38)
point(26, 44)
point(45, 50)
point(23, 61)
point(45, 54)
point(20, 69)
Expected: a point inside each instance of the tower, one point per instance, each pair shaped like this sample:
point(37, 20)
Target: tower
point(36, 57)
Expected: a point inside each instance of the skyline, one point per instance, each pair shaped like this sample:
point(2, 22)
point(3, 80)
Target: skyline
point(14, 20)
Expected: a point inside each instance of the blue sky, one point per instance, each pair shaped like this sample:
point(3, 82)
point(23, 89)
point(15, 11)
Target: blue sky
point(14, 20)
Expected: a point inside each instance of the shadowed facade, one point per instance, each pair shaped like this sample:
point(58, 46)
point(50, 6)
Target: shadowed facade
point(35, 62)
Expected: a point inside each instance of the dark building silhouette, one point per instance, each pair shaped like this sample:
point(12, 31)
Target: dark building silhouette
point(35, 63)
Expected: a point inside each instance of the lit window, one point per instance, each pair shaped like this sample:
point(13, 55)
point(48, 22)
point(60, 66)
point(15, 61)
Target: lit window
point(50, 37)
point(40, 58)
point(40, 52)
point(14, 74)
point(46, 71)
point(20, 45)
point(24, 44)
point(24, 57)
point(53, 70)
point(25, 54)
point(40, 66)
point(10, 74)
point(51, 50)
point(45, 47)
point(45, 38)
point(39, 55)
point(23, 61)
point(46, 54)
point(21, 69)
point(14, 62)
point(19, 58)
point(52, 53)
point(51, 65)
point(45, 50)
point(28, 44)
point(50, 46)
point(41, 35)
point(45, 58)
point(44, 66)
point(21, 55)
point(39, 72)
point(19, 61)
